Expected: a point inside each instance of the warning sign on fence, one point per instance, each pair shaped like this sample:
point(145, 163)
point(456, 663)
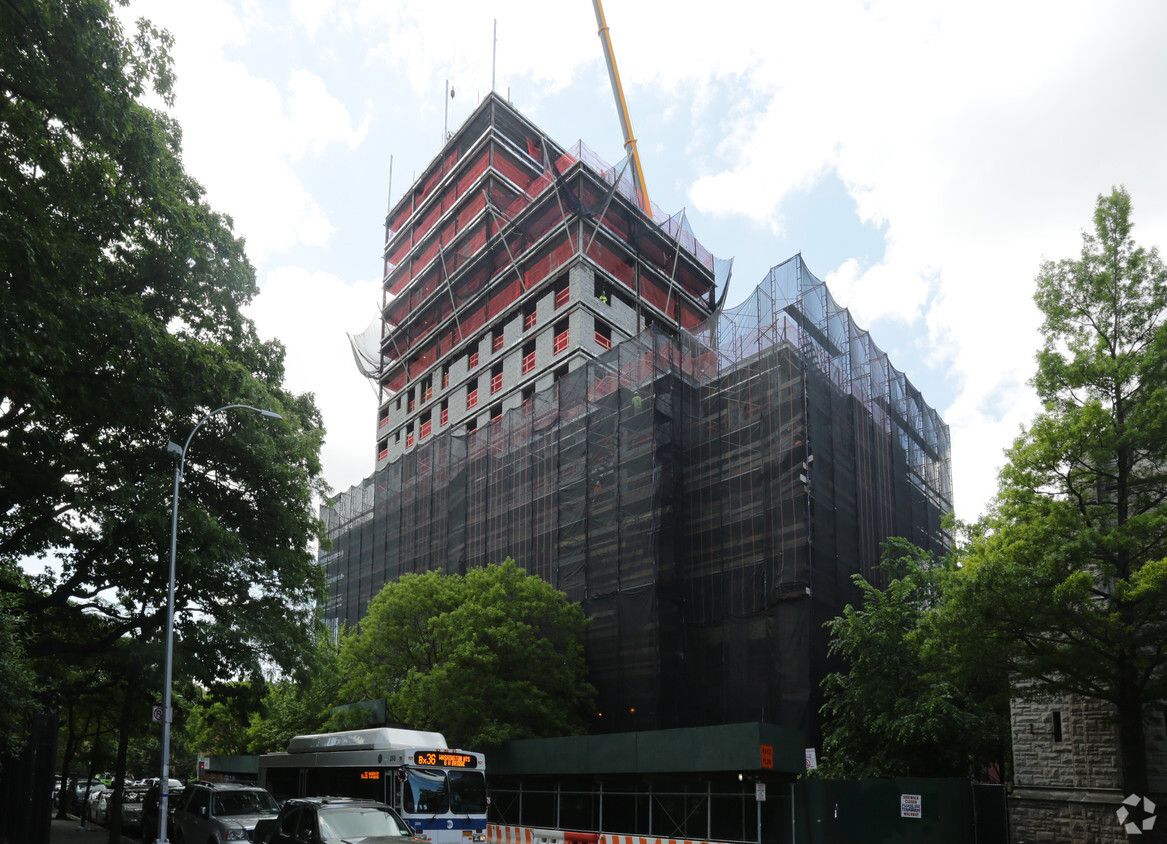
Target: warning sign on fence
point(911, 806)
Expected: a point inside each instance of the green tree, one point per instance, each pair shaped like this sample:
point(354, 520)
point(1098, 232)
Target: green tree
point(18, 691)
point(1066, 576)
point(121, 325)
point(219, 720)
point(896, 709)
point(493, 655)
point(299, 704)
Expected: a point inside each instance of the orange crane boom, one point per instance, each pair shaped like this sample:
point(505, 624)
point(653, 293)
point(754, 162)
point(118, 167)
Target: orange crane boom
point(622, 108)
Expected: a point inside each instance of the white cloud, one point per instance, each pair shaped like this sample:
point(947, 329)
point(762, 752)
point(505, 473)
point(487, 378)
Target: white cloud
point(311, 314)
point(316, 119)
point(242, 134)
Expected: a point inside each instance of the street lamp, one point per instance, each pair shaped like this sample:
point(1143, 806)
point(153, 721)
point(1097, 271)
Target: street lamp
point(179, 462)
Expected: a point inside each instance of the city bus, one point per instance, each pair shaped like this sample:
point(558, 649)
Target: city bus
point(439, 791)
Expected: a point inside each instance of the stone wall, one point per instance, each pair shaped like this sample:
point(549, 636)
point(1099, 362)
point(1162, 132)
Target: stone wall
point(1064, 742)
point(1066, 770)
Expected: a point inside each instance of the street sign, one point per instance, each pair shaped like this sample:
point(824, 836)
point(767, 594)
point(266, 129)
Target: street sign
point(156, 714)
point(760, 792)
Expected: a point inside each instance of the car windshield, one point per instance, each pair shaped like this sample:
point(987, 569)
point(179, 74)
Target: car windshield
point(133, 796)
point(244, 803)
point(363, 822)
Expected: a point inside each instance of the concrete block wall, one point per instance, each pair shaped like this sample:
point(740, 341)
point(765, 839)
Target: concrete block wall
point(580, 279)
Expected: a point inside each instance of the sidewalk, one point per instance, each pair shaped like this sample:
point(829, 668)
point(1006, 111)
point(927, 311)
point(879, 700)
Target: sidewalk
point(68, 832)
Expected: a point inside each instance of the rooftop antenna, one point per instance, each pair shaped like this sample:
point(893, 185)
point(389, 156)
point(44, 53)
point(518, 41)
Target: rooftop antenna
point(389, 188)
point(493, 55)
point(622, 109)
point(446, 116)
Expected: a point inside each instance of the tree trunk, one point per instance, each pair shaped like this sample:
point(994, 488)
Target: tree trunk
point(1132, 749)
point(115, 808)
point(66, 759)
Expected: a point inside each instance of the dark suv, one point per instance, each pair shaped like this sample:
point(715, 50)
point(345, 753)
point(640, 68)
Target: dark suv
point(215, 813)
point(320, 820)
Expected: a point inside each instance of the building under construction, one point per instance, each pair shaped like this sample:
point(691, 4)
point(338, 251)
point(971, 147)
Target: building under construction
point(560, 385)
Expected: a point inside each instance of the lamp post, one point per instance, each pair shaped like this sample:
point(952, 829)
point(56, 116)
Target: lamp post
point(179, 462)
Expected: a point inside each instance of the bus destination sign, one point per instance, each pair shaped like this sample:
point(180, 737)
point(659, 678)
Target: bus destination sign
point(444, 759)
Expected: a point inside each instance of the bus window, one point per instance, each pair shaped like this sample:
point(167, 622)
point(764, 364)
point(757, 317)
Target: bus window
point(467, 792)
point(425, 791)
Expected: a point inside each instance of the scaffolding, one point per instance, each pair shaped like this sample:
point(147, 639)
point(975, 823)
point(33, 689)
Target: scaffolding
point(706, 495)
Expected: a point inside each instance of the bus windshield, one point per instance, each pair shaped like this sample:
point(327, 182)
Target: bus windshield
point(467, 792)
point(425, 791)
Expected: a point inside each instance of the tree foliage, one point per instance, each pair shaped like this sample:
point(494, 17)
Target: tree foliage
point(219, 720)
point(493, 655)
point(120, 326)
point(299, 704)
point(897, 709)
point(18, 690)
point(1067, 574)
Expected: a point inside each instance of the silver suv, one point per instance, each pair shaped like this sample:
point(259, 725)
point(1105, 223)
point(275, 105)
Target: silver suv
point(215, 813)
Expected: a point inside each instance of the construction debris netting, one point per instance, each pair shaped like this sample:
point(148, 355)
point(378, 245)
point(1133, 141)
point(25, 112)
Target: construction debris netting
point(706, 497)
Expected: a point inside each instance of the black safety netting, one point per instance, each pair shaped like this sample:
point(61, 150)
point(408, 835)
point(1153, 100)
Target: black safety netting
point(706, 497)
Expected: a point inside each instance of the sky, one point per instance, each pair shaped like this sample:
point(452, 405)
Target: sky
point(924, 157)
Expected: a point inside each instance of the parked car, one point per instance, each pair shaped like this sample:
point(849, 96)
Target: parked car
point(219, 812)
point(97, 806)
point(321, 820)
point(79, 794)
point(132, 803)
point(150, 802)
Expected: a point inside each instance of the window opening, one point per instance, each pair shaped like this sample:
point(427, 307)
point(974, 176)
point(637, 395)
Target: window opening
point(603, 291)
point(603, 335)
point(562, 336)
